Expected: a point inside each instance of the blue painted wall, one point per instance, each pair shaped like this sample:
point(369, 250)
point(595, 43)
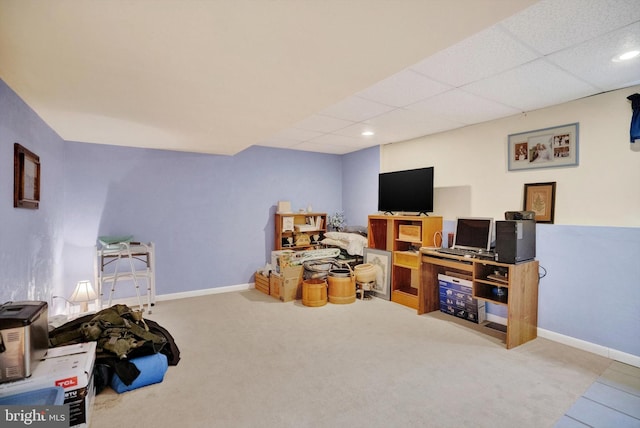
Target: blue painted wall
point(210, 217)
point(30, 240)
point(592, 287)
point(360, 185)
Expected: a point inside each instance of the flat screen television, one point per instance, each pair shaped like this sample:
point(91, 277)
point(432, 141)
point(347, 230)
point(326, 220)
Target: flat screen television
point(408, 191)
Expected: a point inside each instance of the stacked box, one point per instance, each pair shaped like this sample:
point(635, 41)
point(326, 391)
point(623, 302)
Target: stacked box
point(262, 283)
point(279, 257)
point(69, 367)
point(289, 283)
point(274, 285)
point(456, 299)
point(411, 233)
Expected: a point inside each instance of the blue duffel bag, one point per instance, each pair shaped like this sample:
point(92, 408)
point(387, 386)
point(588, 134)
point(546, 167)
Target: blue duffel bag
point(152, 369)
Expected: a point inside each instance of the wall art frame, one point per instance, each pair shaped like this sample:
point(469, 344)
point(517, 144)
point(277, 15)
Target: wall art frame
point(381, 260)
point(544, 148)
point(541, 199)
point(26, 178)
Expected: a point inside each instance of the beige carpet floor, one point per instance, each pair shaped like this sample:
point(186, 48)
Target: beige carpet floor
point(249, 360)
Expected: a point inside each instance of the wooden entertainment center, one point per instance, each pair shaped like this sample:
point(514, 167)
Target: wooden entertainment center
point(403, 236)
point(518, 284)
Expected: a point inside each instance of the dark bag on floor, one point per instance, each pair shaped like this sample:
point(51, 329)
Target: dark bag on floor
point(170, 349)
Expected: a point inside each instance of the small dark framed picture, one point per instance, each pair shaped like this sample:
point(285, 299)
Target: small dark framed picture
point(26, 178)
point(541, 199)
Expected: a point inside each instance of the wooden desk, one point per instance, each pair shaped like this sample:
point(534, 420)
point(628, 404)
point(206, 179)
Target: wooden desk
point(520, 281)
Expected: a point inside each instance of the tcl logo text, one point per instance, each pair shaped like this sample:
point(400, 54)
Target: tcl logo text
point(65, 383)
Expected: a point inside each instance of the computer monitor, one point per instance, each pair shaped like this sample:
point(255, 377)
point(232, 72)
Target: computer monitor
point(473, 233)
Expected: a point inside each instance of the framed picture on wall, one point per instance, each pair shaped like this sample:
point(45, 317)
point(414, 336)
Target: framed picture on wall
point(381, 261)
point(544, 148)
point(540, 198)
point(26, 178)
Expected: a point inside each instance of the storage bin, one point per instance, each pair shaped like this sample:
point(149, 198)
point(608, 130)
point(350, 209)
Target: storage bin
point(262, 283)
point(314, 292)
point(342, 286)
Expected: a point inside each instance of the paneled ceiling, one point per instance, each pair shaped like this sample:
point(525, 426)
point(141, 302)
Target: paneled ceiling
point(219, 76)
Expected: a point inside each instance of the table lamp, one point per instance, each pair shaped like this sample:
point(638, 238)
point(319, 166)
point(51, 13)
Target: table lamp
point(83, 294)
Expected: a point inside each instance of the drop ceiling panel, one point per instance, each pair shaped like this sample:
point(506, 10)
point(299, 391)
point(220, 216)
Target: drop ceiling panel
point(551, 25)
point(402, 89)
point(535, 85)
point(592, 61)
point(327, 143)
point(485, 54)
point(403, 124)
point(462, 107)
point(290, 137)
point(320, 148)
point(321, 123)
point(356, 109)
point(337, 140)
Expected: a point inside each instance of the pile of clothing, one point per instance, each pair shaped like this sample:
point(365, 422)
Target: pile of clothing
point(123, 338)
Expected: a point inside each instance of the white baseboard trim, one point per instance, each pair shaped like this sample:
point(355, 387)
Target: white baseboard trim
point(603, 351)
point(133, 301)
point(205, 292)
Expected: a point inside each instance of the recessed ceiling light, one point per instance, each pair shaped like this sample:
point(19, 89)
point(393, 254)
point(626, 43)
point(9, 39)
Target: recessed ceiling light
point(367, 133)
point(626, 56)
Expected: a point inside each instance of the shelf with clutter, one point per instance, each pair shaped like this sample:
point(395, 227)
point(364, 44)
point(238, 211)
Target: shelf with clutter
point(403, 236)
point(299, 230)
point(307, 245)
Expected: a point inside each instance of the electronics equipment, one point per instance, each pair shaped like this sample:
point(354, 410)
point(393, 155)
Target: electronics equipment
point(473, 234)
point(520, 215)
point(515, 241)
point(406, 191)
point(24, 338)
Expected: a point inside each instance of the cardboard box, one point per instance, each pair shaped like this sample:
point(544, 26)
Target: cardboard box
point(70, 367)
point(456, 299)
point(291, 288)
point(290, 283)
point(407, 232)
point(274, 284)
point(276, 258)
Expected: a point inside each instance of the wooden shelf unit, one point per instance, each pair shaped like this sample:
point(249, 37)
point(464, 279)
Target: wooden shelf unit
point(518, 283)
point(283, 221)
point(388, 232)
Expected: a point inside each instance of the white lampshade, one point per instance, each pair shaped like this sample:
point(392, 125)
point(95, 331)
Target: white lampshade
point(83, 294)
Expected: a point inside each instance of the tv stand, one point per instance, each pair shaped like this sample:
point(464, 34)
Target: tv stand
point(401, 235)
